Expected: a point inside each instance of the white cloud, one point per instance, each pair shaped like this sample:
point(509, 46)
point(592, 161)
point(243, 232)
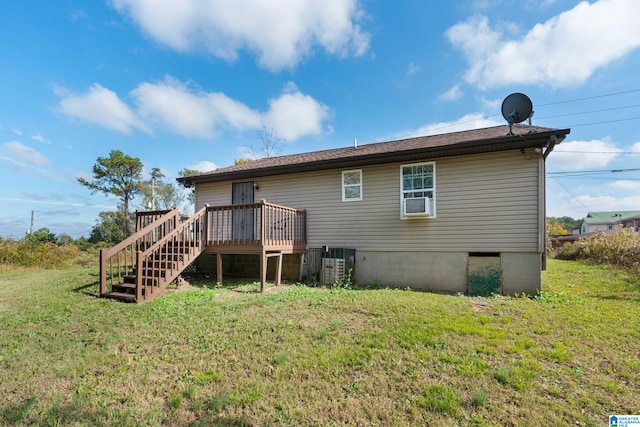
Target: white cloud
point(412, 69)
point(580, 205)
point(564, 51)
point(452, 94)
point(18, 153)
point(625, 185)
point(280, 32)
point(583, 155)
point(203, 166)
point(635, 148)
point(100, 106)
point(191, 112)
point(294, 114)
point(466, 122)
point(41, 138)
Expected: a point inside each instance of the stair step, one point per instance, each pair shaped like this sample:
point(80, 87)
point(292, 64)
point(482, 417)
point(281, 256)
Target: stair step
point(130, 279)
point(120, 296)
point(125, 288)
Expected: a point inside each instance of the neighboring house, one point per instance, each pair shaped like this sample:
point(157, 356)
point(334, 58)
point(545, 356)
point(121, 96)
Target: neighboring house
point(457, 212)
point(610, 221)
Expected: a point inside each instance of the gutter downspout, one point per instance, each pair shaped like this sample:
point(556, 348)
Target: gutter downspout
point(542, 240)
point(552, 143)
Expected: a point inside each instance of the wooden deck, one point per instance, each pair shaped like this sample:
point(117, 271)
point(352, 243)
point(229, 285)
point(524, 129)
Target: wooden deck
point(140, 267)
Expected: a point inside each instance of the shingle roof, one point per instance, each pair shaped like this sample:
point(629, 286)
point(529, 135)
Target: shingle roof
point(609, 217)
point(448, 144)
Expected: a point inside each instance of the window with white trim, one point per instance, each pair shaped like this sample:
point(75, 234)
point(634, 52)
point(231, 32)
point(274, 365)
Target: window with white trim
point(352, 185)
point(418, 190)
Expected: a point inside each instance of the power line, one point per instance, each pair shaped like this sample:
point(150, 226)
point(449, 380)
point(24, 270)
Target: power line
point(484, 117)
point(589, 97)
point(636, 153)
point(589, 112)
point(604, 122)
point(600, 178)
point(555, 178)
point(598, 171)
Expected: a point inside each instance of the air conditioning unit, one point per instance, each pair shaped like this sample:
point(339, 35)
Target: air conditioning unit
point(332, 271)
point(417, 206)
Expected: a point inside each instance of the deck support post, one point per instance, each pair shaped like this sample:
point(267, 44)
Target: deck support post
point(139, 284)
point(279, 272)
point(219, 267)
point(103, 272)
point(263, 270)
point(264, 262)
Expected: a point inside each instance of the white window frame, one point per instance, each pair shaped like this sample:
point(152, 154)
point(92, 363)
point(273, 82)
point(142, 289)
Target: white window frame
point(345, 186)
point(432, 189)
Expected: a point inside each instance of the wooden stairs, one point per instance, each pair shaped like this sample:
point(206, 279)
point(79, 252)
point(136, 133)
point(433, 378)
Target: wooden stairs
point(141, 267)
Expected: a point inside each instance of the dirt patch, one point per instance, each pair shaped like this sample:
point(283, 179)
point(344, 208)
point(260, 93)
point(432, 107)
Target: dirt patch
point(479, 306)
point(182, 284)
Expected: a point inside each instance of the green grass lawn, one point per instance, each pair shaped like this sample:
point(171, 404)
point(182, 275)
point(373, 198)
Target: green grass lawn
point(309, 356)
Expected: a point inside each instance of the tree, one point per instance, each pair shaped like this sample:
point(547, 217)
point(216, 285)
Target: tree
point(64, 239)
point(554, 228)
point(191, 197)
point(241, 161)
point(567, 222)
point(270, 144)
point(120, 175)
point(149, 190)
point(42, 235)
point(109, 228)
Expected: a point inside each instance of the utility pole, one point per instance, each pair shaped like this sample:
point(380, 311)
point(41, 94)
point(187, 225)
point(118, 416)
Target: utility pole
point(31, 226)
point(153, 193)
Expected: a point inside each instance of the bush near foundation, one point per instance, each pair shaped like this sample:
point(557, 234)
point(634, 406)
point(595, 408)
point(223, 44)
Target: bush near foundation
point(621, 249)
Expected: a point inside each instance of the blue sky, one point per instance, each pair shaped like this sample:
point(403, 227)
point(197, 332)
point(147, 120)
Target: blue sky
point(190, 83)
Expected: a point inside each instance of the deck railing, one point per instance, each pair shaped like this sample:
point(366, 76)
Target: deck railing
point(255, 224)
point(165, 243)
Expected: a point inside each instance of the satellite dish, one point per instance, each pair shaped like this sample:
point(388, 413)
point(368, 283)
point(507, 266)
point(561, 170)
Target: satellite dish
point(516, 108)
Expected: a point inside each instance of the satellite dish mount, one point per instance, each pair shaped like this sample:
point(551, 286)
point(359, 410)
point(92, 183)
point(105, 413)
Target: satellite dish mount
point(516, 108)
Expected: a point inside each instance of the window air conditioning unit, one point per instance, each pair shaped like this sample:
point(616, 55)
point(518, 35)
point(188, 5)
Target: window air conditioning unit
point(417, 206)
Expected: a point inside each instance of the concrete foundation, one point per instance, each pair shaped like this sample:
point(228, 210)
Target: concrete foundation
point(521, 273)
point(427, 271)
point(449, 272)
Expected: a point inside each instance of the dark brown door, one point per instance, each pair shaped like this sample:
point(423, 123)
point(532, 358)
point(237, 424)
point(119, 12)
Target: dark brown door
point(243, 219)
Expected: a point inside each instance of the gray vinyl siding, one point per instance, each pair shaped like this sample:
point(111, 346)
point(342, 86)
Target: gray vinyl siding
point(485, 202)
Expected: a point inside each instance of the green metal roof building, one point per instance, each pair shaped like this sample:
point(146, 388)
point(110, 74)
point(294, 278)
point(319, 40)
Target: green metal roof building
point(610, 221)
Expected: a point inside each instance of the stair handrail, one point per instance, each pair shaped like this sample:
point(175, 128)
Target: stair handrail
point(141, 255)
point(175, 231)
point(137, 235)
point(108, 253)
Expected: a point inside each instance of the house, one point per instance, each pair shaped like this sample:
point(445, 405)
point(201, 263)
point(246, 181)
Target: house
point(610, 221)
point(457, 212)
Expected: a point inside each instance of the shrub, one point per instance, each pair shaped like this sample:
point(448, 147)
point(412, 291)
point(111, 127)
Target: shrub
point(30, 253)
point(570, 252)
point(621, 249)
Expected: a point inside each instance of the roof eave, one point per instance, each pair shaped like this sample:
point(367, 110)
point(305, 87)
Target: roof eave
point(531, 140)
